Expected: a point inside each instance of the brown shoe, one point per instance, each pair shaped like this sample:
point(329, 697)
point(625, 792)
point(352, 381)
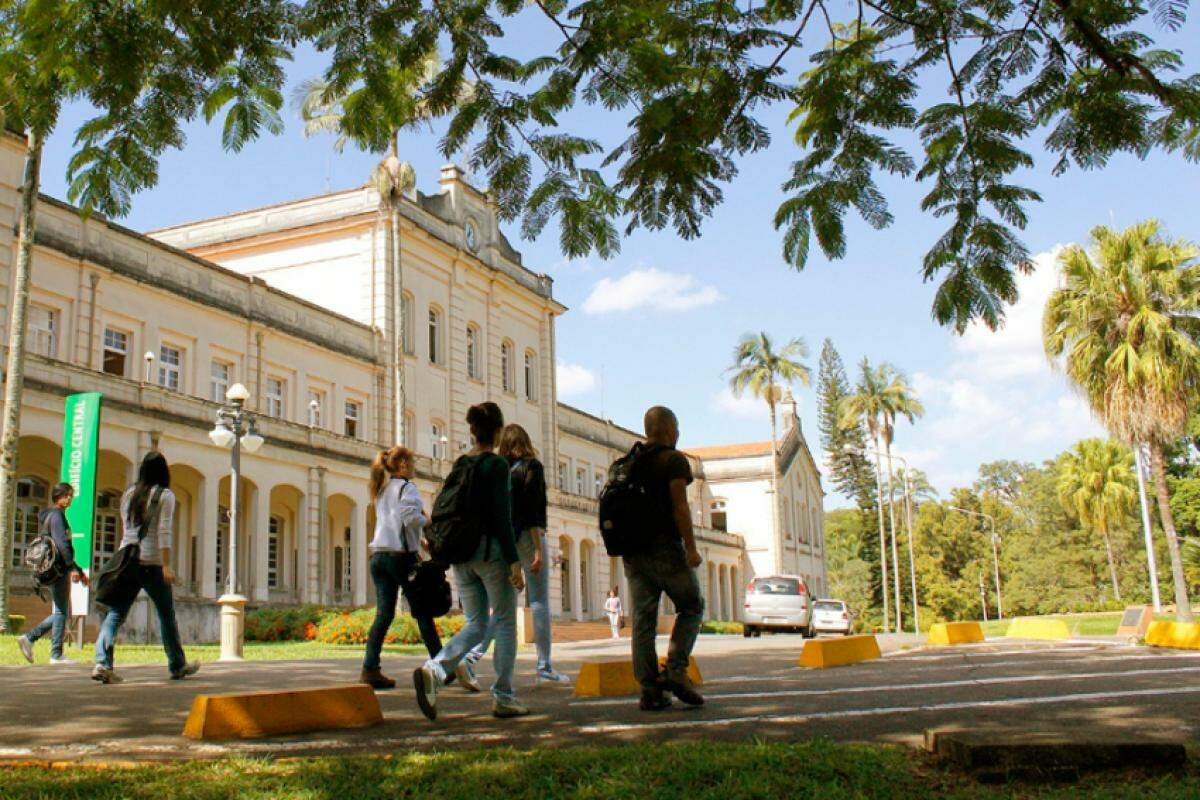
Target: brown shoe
point(680, 685)
point(376, 679)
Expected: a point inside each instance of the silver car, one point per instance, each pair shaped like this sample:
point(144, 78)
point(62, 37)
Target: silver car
point(831, 616)
point(777, 603)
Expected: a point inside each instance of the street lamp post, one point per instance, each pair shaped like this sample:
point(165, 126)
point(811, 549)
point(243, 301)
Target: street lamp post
point(995, 552)
point(1147, 530)
point(235, 429)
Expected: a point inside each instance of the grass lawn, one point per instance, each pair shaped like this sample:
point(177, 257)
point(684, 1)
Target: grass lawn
point(153, 653)
point(694, 771)
point(1080, 624)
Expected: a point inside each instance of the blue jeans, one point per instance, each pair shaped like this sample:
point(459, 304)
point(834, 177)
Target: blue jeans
point(483, 584)
point(56, 623)
point(389, 571)
point(538, 586)
point(159, 591)
point(650, 574)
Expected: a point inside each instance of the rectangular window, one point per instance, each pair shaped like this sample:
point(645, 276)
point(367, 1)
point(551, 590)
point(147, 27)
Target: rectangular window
point(116, 351)
point(42, 331)
point(506, 366)
point(580, 480)
point(473, 370)
point(316, 407)
point(562, 476)
point(530, 377)
point(407, 325)
point(274, 529)
point(435, 336)
point(219, 381)
point(352, 416)
point(600, 478)
point(170, 367)
point(275, 397)
point(436, 434)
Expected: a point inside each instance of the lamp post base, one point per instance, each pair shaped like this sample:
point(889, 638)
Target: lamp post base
point(233, 622)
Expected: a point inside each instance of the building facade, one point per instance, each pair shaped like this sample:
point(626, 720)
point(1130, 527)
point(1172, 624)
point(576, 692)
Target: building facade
point(302, 304)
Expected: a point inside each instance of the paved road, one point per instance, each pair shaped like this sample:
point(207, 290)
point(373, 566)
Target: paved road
point(754, 689)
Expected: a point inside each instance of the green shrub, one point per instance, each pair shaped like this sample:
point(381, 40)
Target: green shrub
point(719, 627)
point(15, 623)
point(282, 624)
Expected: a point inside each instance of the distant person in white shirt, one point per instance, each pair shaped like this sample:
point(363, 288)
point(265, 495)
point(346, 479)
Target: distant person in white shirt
point(612, 607)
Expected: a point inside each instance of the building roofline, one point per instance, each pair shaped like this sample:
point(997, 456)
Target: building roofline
point(601, 420)
point(253, 210)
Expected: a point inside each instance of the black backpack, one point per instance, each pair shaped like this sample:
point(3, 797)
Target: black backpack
point(42, 557)
point(455, 530)
point(629, 512)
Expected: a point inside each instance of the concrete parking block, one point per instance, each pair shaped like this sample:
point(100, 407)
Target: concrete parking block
point(948, 633)
point(614, 677)
point(1168, 633)
point(1038, 629)
point(823, 653)
point(257, 714)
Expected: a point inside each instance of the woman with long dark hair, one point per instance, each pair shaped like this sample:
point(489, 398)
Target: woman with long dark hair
point(395, 548)
point(528, 479)
point(490, 579)
point(147, 514)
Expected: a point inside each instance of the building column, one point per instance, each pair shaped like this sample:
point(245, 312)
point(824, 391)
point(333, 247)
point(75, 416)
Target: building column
point(576, 583)
point(358, 558)
point(310, 530)
point(207, 510)
point(259, 539)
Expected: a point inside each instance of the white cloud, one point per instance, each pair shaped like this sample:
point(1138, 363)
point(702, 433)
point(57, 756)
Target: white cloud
point(999, 398)
point(574, 380)
point(649, 288)
point(745, 407)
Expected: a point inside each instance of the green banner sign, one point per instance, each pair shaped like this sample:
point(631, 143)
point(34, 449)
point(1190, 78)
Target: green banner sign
point(80, 454)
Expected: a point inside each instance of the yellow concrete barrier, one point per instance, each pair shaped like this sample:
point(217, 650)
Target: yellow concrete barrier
point(613, 677)
point(946, 633)
point(1038, 629)
point(822, 653)
point(255, 714)
point(1168, 633)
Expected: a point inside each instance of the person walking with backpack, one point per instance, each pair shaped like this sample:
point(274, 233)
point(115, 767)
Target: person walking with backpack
point(660, 556)
point(472, 530)
point(53, 520)
point(528, 479)
point(399, 522)
point(612, 607)
point(147, 514)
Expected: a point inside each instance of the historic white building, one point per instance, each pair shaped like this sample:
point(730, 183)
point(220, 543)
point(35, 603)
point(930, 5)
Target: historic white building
point(298, 302)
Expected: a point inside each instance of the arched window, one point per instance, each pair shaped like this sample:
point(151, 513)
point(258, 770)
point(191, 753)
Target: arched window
point(108, 528)
point(32, 496)
point(436, 349)
point(474, 353)
point(506, 367)
point(531, 386)
point(408, 324)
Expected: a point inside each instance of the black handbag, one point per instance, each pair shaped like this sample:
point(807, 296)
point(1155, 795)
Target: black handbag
point(118, 583)
point(428, 591)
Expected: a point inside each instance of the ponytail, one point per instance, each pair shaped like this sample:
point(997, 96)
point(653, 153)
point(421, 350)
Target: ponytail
point(386, 462)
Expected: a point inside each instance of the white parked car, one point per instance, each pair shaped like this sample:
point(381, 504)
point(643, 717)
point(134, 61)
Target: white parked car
point(831, 616)
point(777, 603)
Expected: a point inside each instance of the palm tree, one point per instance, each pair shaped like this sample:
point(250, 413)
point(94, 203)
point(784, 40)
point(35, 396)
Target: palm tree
point(865, 407)
point(765, 372)
point(326, 111)
point(919, 487)
point(899, 400)
point(1124, 327)
point(1095, 482)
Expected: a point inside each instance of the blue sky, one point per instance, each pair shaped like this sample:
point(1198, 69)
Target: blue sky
point(660, 320)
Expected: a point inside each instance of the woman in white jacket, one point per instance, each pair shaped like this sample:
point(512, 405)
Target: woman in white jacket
point(399, 522)
point(612, 607)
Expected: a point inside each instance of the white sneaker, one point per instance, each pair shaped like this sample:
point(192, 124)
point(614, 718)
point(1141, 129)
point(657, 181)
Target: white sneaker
point(26, 647)
point(103, 674)
point(426, 681)
point(61, 660)
point(552, 676)
point(507, 709)
point(465, 673)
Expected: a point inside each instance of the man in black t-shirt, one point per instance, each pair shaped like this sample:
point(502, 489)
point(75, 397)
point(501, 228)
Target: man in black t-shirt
point(668, 565)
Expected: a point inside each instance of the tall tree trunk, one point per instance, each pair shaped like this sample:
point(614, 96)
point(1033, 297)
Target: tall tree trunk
point(887, 443)
point(883, 567)
point(14, 372)
point(1183, 608)
point(1112, 564)
point(775, 485)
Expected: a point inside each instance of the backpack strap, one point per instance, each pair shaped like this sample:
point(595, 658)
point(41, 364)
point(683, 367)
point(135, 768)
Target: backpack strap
point(153, 513)
point(403, 534)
